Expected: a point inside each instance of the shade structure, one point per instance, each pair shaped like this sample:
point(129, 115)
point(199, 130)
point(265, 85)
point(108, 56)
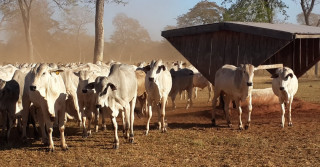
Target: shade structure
point(209, 47)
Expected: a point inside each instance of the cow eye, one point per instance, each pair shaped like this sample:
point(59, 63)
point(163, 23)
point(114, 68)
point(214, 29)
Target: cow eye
point(44, 73)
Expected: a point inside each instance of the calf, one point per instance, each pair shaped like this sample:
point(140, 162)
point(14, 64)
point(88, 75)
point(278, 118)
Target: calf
point(285, 86)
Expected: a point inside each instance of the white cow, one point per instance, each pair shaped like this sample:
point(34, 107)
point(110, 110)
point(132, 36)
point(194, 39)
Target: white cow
point(285, 86)
point(236, 84)
point(182, 79)
point(7, 71)
point(115, 93)
point(47, 91)
point(158, 85)
point(199, 81)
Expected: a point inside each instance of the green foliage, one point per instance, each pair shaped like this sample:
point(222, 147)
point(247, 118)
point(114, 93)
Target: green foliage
point(204, 12)
point(254, 10)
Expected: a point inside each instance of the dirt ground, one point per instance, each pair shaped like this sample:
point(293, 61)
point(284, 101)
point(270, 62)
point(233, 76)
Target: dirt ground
point(189, 141)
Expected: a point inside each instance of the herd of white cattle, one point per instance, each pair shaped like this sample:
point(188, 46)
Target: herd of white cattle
point(50, 94)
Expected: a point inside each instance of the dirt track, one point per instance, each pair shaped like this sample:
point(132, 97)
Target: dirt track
point(190, 141)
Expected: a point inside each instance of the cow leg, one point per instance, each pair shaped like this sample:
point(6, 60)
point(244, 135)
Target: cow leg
point(149, 117)
point(123, 116)
point(84, 130)
point(49, 125)
point(11, 118)
point(163, 125)
point(116, 139)
point(103, 113)
point(44, 132)
point(289, 115)
point(189, 102)
point(25, 113)
point(62, 121)
point(127, 120)
point(214, 105)
point(173, 99)
point(240, 113)
point(227, 110)
point(132, 105)
point(195, 92)
point(249, 113)
point(96, 119)
point(283, 110)
point(90, 115)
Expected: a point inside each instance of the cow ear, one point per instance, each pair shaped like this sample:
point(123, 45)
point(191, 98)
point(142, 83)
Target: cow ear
point(56, 71)
point(77, 73)
point(275, 75)
point(290, 75)
point(146, 68)
point(112, 86)
point(90, 85)
point(163, 67)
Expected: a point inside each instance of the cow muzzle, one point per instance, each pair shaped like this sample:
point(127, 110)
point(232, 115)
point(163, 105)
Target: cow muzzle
point(151, 79)
point(84, 91)
point(249, 83)
point(33, 88)
point(281, 88)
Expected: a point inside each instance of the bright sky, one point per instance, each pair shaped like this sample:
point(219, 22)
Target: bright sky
point(154, 15)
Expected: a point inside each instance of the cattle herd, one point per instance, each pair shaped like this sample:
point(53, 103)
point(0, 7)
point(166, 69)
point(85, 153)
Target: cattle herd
point(50, 94)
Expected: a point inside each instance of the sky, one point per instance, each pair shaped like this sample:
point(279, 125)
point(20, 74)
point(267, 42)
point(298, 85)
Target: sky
point(154, 15)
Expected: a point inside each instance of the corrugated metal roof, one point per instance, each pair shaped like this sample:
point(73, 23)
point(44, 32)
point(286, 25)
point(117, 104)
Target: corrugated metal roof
point(280, 31)
point(291, 28)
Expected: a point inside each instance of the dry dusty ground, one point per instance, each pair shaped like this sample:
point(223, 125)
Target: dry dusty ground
point(190, 141)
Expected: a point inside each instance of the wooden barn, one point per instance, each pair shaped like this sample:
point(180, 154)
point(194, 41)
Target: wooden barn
point(209, 47)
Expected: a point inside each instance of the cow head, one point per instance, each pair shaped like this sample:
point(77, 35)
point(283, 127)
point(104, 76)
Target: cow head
point(156, 67)
point(245, 73)
point(40, 76)
point(103, 90)
point(84, 79)
point(283, 77)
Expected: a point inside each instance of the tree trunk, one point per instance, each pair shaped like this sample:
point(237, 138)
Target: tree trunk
point(25, 8)
point(99, 32)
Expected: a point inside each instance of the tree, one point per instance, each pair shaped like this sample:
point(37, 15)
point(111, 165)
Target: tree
point(128, 33)
point(99, 31)
point(204, 12)
point(307, 7)
point(313, 19)
point(254, 10)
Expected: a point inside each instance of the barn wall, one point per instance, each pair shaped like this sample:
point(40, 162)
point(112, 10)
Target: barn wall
point(300, 55)
point(210, 51)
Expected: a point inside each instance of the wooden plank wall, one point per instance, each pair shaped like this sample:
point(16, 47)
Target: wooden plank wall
point(210, 51)
point(300, 55)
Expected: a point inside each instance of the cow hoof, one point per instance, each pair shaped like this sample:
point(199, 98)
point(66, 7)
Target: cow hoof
point(164, 130)
point(230, 125)
point(213, 121)
point(50, 149)
point(247, 127)
point(146, 133)
point(116, 146)
point(241, 128)
point(290, 124)
point(131, 140)
point(104, 128)
point(24, 139)
point(84, 135)
point(282, 125)
point(66, 148)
